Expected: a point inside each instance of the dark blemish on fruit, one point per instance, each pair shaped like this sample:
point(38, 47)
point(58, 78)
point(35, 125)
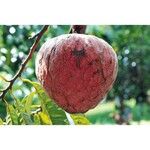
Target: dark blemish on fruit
point(90, 63)
point(93, 62)
point(78, 53)
point(78, 62)
point(53, 50)
point(110, 61)
point(96, 72)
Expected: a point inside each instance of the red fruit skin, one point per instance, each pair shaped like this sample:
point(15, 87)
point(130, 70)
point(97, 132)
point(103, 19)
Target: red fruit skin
point(76, 70)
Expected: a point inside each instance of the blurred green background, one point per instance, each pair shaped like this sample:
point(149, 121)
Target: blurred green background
point(129, 100)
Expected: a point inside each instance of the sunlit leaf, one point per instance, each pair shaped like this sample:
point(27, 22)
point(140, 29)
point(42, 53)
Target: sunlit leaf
point(3, 78)
point(25, 116)
point(13, 114)
point(1, 121)
point(80, 119)
point(28, 102)
point(45, 119)
point(8, 120)
point(56, 114)
point(37, 119)
point(35, 108)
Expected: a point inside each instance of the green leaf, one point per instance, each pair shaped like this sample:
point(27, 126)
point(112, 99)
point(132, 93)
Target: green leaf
point(56, 114)
point(37, 119)
point(24, 115)
point(27, 118)
point(3, 78)
point(45, 119)
point(13, 114)
point(1, 121)
point(28, 102)
point(80, 119)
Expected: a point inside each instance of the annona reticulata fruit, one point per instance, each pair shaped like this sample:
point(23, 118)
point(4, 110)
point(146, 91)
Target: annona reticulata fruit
point(76, 70)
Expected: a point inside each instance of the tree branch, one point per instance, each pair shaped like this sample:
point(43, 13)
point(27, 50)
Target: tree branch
point(78, 29)
point(23, 64)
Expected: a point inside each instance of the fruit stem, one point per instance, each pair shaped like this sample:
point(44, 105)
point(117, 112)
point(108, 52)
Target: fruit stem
point(78, 29)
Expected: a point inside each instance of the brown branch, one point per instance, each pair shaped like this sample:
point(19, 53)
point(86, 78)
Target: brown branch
point(78, 29)
point(23, 64)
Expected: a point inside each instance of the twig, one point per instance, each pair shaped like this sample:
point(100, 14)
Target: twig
point(78, 29)
point(23, 64)
point(33, 37)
